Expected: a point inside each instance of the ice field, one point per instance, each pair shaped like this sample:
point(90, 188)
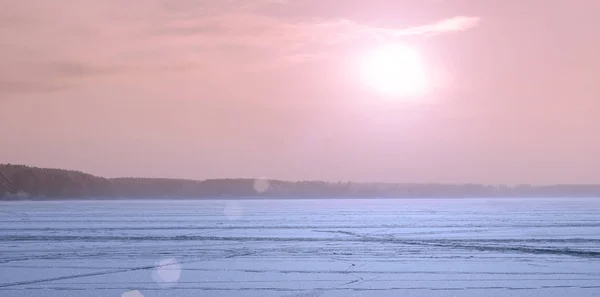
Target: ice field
point(404, 247)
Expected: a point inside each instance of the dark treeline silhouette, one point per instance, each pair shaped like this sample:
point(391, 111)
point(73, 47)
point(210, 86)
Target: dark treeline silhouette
point(23, 182)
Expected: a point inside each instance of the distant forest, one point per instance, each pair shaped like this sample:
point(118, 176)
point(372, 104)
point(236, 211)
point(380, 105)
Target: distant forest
point(32, 183)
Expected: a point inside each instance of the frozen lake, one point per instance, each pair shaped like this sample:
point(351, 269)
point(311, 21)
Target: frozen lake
point(430, 247)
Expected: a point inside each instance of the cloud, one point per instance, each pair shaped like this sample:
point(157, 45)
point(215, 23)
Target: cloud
point(68, 42)
point(301, 40)
point(242, 26)
point(454, 24)
point(75, 69)
point(19, 87)
point(182, 8)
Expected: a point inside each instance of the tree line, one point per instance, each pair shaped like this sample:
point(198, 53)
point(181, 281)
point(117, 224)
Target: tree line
point(24, 182)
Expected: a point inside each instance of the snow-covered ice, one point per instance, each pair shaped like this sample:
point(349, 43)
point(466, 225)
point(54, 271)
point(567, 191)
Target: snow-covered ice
point(404, 247)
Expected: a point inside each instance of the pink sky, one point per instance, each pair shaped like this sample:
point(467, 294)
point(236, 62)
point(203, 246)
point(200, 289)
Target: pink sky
point(269, 88)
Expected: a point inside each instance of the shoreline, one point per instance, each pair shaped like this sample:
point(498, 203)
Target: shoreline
point(259, 198)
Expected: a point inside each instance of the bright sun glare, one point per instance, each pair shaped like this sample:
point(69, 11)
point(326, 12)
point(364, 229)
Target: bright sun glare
point(395, 70)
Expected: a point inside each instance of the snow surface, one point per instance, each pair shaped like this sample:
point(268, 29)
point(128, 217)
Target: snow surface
point(405, 247)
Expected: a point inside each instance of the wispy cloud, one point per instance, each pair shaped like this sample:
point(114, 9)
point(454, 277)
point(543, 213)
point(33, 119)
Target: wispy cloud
point(453, 24)
point(191, 8)
point(66, 41)
point(296, 38)
point(241, 26)
point(19, 87)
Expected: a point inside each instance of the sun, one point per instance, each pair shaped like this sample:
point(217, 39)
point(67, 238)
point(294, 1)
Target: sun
point(395, 70)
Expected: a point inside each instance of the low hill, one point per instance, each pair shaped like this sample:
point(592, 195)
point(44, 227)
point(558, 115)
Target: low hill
point(24, 182)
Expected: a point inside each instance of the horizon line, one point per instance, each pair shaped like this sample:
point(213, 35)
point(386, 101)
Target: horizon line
point(311, 180)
